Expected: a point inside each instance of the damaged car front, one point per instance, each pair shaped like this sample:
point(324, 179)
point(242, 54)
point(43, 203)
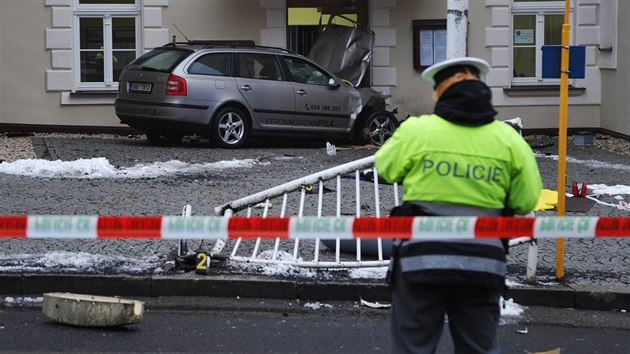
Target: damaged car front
point(347, 52)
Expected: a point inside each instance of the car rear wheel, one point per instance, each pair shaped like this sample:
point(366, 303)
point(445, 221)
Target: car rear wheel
point(161, 138)
point(230, 128)
point(377, 128)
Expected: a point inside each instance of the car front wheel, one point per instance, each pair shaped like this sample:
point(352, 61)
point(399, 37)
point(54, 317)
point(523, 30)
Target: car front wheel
point(230, 129)
point(377, 128)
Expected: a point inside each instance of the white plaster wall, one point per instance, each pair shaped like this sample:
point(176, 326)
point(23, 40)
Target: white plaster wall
point(24, 62)
point(411, 95)
point(220, 20)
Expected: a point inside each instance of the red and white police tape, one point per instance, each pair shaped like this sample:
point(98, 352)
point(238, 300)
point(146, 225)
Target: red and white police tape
point(216, 227)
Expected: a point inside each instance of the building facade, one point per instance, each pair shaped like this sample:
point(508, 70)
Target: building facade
point(59, 59)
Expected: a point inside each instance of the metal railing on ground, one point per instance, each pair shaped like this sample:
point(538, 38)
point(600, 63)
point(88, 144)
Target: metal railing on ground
point(357, 191)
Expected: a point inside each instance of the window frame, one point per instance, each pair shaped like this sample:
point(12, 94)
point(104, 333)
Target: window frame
point(538, 9)
point(106, 12)
point(417, 26)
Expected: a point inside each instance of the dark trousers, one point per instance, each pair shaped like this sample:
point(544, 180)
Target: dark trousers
point(418, 317)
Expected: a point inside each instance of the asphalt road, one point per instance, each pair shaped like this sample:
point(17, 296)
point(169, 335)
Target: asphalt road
point(271, 326)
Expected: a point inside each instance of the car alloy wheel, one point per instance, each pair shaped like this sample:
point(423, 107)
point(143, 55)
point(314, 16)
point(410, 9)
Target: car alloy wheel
point(378, 127)
point(230, 128)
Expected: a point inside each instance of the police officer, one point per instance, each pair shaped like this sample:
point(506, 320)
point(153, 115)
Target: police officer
point(457, 161)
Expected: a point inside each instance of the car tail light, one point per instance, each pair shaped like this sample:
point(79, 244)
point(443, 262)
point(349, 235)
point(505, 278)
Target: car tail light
point(176, 86)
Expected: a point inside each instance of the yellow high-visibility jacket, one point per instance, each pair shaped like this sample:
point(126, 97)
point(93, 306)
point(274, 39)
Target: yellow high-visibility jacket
point(488, 166)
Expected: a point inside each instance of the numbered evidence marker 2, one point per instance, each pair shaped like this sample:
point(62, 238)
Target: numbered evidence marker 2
point(203, 263)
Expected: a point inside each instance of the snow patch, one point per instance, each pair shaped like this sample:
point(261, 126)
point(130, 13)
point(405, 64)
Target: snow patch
point(101, 168)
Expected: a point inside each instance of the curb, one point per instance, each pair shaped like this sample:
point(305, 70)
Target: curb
point(588, 297)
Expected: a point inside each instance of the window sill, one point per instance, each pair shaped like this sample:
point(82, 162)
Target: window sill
point(88, 97)
point(541, 91)
point(94, 93)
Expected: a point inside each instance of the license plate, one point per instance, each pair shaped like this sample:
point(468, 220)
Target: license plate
point(140, 87)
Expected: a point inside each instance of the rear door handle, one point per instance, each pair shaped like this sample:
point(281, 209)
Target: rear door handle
point(246, 88)
point(301, 92)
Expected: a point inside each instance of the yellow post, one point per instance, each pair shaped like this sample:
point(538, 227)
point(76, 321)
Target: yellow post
point(562, 134)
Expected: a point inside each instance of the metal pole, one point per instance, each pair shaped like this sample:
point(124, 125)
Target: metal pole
point(562, 133)
point(456, 28)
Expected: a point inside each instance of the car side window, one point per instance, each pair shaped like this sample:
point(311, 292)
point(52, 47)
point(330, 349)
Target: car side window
point(306, 73)
point(218, 64)
point(259, 66)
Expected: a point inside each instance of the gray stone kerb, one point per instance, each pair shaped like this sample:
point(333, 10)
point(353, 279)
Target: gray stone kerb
point(591, 297)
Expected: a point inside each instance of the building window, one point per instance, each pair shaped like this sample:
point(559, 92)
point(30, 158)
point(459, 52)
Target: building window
point(429, 43)
point(534, 24)
point(106, 40)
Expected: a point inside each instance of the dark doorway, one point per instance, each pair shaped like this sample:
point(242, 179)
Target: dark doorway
point(304, 18)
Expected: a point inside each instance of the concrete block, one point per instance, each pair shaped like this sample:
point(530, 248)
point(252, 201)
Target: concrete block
point(58, 38)
point(497, 36)
point(584, 138)
point(384, 37)
point(58, 2)
point(152, 17)
point(380, 18)
point(500, 16)
point(163, 3)
point(92, 311)
point(62, 17)
point(59, 80)
point(500, 57)
point(380, 56)
point(587, 15)
point(276, 18)
point(155, 37)
point(62, 59)
point(273, 37)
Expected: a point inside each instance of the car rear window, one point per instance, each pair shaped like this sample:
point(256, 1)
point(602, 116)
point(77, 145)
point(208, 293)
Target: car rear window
point(159, 60)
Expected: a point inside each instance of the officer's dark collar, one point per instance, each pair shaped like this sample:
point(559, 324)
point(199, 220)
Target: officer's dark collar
point(467, 102)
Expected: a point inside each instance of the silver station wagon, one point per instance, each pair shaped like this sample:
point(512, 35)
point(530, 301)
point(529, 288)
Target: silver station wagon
point(228, 93)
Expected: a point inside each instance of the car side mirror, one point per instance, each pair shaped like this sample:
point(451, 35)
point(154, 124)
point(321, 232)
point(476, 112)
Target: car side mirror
point(333, 83)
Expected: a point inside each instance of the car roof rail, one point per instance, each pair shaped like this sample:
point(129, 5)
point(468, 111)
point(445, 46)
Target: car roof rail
point(225, 43)
point(276, 48)
point(213, 43)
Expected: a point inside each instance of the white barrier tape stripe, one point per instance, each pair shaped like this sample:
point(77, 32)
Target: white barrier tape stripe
point(324, 228)
point(568, 227)
point(62, 226)
point(445, 227)
point(194, 227)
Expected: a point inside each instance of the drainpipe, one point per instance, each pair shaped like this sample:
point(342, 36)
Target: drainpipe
point(456, 28)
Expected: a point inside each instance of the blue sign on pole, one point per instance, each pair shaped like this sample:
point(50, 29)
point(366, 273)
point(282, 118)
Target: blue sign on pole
point(551, 61)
